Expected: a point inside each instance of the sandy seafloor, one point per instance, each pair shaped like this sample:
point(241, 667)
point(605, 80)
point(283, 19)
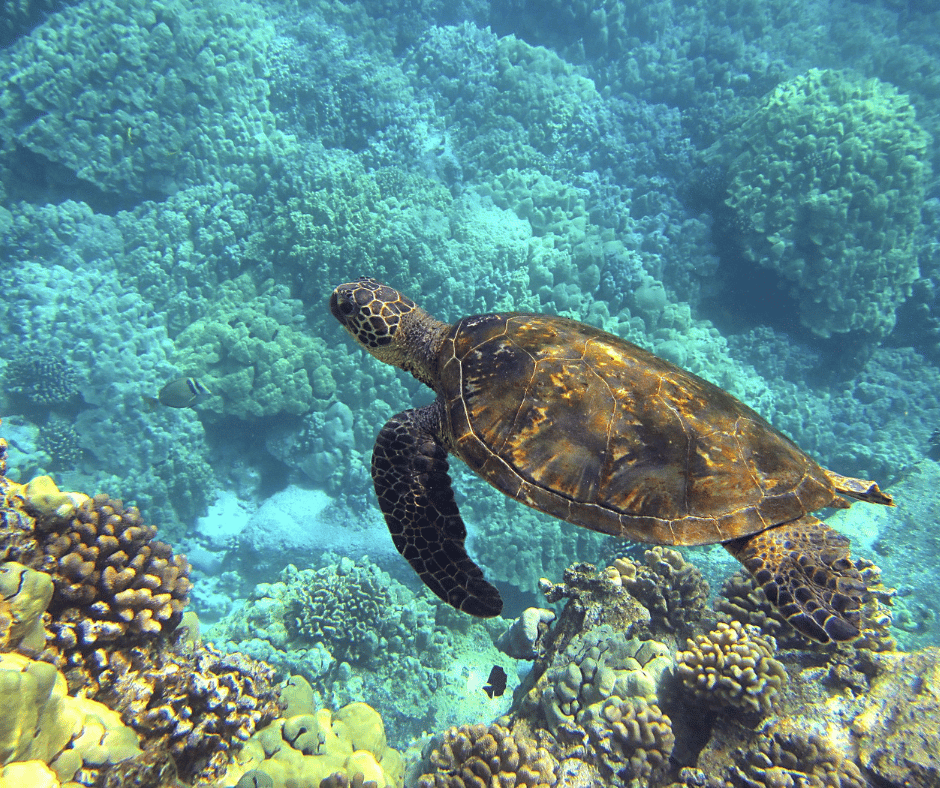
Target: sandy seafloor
point(751, 190)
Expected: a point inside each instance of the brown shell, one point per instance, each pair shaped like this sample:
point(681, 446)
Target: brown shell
point(596, 431)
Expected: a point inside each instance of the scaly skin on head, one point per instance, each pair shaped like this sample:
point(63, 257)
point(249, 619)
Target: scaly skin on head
point(390, 326)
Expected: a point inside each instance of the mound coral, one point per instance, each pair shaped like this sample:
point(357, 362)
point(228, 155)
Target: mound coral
point(24, 596)
point(633, 738)
point(732, 665)
point(826, 183)
point(477, 756)
point(344, 748)
point(250, 350)
point(49, 734)
point(597, 666)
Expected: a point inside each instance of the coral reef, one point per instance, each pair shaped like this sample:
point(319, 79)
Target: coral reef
point(311, 746)
point(83, 312)
point(523, 638)
point(113, 581)
point(191, 701)
point(597, 667)
point(634, 739)
point(795, 759)
point(356, 634)
point(825, 152)
point(251, 351)
point(671, 588)
point(135, 80)
point(732, 665)
point(62, 443)
point(123, 695)
point(477, 756)
point(42, 379)
point(44, 725)
point(896, 727)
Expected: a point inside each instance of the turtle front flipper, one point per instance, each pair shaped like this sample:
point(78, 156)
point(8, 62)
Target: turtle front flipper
point(409, 471)
point(805, 570)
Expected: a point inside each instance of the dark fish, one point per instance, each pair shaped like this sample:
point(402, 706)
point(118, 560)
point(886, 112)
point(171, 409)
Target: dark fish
point(496, 683)
point(180, 393)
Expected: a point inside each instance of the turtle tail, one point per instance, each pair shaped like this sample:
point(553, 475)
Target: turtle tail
point(410, 474)
point(805, 570)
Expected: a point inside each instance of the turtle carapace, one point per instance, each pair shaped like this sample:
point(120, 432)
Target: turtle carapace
point(586, 427)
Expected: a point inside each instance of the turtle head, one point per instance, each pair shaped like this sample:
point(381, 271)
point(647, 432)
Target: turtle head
point(388, 324)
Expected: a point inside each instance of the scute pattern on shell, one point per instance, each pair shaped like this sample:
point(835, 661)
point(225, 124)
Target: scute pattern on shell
point(660, 455)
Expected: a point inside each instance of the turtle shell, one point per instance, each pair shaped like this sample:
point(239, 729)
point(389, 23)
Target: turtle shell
point(594, 430)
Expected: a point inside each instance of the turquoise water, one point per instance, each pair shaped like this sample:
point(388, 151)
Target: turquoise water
point(748, 190)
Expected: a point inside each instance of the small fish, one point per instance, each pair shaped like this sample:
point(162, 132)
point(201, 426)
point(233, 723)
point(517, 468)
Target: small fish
point(179, 393)
point(496, 683)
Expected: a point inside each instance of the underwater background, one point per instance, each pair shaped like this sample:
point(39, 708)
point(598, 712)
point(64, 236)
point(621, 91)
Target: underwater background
point(748, 189)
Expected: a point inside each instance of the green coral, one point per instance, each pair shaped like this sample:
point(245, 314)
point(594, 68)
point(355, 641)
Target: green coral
point(140, 96)
point(251, 351)
point(826, 182)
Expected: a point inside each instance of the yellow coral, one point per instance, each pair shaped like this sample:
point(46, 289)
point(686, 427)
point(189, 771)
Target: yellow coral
point(41, 723)
point(43, 498)
point(24, 596)
point(732, 665)
point(34, 774)
point(304, 749)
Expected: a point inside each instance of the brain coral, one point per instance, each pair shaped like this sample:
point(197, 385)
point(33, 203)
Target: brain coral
point(826, 182)
point(732, 665)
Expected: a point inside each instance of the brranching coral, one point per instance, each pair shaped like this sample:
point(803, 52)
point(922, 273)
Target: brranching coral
point(113, 580)
point(732, 666)
point(477, 756)
point(107, 690)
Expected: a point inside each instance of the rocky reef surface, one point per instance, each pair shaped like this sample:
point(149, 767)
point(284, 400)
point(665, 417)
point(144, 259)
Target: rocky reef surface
point(633, 675)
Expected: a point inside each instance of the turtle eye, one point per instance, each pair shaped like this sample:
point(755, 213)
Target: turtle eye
point(346, 308)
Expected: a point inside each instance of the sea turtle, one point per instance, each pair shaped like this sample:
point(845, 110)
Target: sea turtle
point(591, 429)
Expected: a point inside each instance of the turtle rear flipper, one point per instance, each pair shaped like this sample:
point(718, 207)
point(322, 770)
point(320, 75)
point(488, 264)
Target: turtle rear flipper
point(805, 570)
point(410, 474)
point(859, 489)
